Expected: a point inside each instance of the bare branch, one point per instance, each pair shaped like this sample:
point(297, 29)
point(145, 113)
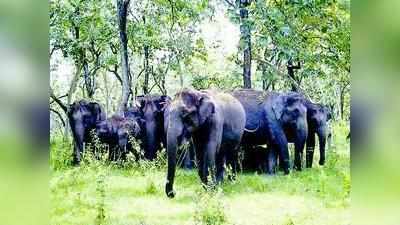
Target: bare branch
point(59, 116)
point(230, 3)
point(58, 101)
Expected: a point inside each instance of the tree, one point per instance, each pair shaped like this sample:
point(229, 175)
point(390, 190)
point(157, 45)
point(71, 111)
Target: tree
point(122, 6)
point(245, 37)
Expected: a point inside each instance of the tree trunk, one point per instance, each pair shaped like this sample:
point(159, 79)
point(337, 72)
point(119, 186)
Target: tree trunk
point(146, 70)
point(342, 103)
point(122, 8)
point(107, 89)
point(246, 40)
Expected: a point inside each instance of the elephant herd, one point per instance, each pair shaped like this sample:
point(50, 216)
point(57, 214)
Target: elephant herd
point(216, 124)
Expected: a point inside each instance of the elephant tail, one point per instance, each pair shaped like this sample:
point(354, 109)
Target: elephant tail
point(252, 130)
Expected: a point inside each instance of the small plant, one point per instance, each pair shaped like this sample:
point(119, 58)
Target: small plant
point(60, 153)
point(151, 188)
point(210, 210)
point(100, 206)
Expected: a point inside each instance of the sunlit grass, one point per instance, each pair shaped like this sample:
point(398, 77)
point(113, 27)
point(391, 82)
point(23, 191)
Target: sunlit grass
point(132, 196)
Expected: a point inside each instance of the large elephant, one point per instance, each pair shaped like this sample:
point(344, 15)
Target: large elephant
point(115, 131)
point(83, 116)
point(215, 122)
point(317, 117)
point(278, 119)
point(151, 110)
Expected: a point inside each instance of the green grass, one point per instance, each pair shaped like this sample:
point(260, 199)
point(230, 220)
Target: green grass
point(100, 193)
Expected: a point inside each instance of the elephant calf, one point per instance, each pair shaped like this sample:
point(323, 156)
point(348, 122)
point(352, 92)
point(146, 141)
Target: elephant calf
point(83, 116)
point(215, 122)
point(317, 118)
point(115, 132)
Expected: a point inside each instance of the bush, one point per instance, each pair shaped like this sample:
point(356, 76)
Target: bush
point(60, 153)
point(210, 210)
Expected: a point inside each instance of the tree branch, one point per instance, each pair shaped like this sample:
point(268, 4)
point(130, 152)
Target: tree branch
point(59, 116)
point(230, 3)
point(284, 75)
point(59, 102)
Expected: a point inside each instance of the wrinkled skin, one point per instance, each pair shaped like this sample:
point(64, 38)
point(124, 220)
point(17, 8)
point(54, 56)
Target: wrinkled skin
point(317, 118)
point(151, 112)
point(187, 158)
point(83, 116)
point(115, 132)
point(278, 119)
point(215, 121)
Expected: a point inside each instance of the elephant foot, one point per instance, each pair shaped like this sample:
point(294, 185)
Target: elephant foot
point(321, 162)
point(169, 191)
point(76, 162)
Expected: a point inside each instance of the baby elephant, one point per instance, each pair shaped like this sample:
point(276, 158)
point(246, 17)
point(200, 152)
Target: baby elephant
point(115, 132)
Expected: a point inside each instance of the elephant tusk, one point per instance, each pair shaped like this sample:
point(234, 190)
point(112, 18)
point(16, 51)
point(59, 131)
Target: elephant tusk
point(252, 130)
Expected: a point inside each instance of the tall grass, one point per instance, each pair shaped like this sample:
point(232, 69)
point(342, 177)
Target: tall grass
point(132, 192)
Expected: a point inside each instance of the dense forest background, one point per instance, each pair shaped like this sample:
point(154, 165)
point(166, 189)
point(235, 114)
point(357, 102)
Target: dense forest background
point(110, 51)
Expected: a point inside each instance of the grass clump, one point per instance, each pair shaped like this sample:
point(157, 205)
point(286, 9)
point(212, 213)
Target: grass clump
point(210, 209)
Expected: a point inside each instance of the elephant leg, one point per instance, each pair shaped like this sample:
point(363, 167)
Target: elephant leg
point(322, 141)
point(209, 162)
point(199, 158)
point(272, 156)
point(301, 137)
point(232, 157)
point(310, 149)
point(282, 147)
point(220, 161)
point(78, 144)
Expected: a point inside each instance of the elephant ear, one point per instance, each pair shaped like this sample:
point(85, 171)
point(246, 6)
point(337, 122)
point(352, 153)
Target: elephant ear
point(206, 108)
point(278, 105)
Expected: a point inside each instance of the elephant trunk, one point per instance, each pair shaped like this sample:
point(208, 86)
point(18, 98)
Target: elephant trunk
point(173, 132)
point(151, 141)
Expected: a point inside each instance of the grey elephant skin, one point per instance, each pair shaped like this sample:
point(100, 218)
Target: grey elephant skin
point(83, 117)
point(278, 118)
point(215, 122)
point(115, 132)
point(318, 116)
point(151, 112)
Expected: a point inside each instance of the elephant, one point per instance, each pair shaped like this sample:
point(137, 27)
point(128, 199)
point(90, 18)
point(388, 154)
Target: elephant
point(278, 118)
point(254, 158)
point(83, 116)
point(151, 112)
point(115, 131)
point(187, 158)
point(318, 116)
point(215, 121)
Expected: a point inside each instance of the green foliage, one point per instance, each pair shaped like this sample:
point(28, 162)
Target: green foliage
point(210, 210)
point(107, 193)
point(60, 153)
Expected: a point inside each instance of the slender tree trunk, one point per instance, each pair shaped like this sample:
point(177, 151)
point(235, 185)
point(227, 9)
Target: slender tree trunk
point(107, 92)
point(342, 103)
point(146, 70)
point(180, 74)
point(246, 40)
point(122, 8)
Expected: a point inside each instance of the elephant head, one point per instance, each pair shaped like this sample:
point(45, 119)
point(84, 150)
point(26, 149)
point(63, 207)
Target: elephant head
point(152, 121)
point(83, 117)
point(187, 113)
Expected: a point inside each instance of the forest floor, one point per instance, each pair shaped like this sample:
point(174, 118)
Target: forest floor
point(101, 193)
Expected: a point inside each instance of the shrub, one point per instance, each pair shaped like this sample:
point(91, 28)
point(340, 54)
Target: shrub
point(210, 210)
